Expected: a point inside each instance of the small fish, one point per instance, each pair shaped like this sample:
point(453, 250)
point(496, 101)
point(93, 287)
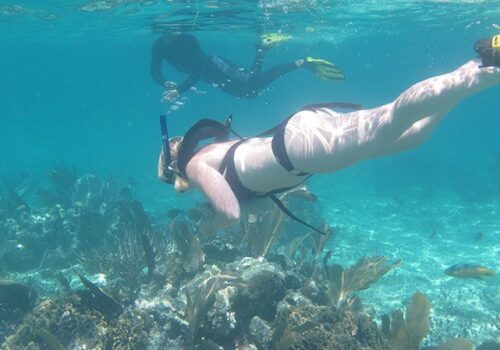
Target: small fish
point(469, 271)
point(149, 254)
point(173, 213)
point(104, 299)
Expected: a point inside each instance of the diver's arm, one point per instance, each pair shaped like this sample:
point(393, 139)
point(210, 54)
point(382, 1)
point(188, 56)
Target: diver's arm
point(189, 82)
point(215, 187)
point(155, 67)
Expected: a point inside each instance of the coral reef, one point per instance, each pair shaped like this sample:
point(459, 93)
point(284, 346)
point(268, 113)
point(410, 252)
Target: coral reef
point(72, 322)
point(126, 282)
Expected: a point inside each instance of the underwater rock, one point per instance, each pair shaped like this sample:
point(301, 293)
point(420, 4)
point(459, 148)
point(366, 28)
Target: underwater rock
point(208, 305)
point(208, 344)
point(16, 295)
point(264, 288)
point(167, 312)
point(260, 331)
point(247, 347)
point(221, 322)
point(293, 299)
point(19, 259)
point(292, 280)
point(217, 250)
point(15, 301)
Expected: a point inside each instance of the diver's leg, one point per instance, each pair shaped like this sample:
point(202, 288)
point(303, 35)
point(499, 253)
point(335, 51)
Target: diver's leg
point(417, 134)
point(258, 60)
point(325, 141)
point(442, 93)
point(260, 81)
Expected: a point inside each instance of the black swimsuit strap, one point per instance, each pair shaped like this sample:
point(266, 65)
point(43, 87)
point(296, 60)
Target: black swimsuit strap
point(279, 148)
point(278, 142)
point(228, 169)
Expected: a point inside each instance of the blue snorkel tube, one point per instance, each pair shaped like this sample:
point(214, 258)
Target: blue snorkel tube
point(166, 148)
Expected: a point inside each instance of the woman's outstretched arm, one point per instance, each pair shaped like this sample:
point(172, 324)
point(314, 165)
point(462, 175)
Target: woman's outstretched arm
point(218, 192)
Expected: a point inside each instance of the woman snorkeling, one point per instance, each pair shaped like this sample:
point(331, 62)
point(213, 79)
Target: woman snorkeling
point(184, 53)
point(240, 176)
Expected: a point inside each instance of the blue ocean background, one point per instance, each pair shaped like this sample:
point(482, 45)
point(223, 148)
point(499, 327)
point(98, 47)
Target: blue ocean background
point(75, 88)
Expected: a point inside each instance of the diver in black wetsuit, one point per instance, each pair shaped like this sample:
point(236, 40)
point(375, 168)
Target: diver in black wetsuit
point(184, 53)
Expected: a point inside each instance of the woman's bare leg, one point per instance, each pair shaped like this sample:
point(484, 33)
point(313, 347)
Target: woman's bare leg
point(323, 141)
point(417, 134)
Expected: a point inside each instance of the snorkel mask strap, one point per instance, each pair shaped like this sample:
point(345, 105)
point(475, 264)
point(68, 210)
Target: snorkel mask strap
point(165, 143)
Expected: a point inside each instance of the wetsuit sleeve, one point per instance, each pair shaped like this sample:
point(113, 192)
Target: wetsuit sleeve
point(189, 82)
point(156, 59)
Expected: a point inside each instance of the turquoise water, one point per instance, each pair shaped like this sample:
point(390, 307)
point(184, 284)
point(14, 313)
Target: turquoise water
point(75, 89)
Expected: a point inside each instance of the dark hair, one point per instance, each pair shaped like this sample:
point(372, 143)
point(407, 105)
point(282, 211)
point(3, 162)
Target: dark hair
point(489, 56)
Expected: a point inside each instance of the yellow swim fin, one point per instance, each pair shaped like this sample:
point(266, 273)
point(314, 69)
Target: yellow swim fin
point(323, 68)
point(271, 39)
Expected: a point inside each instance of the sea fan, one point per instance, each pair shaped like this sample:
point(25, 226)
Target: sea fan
point(188, 244)
point(344, 282)
point(262, 231)
point(203, 297)
point(406, 333)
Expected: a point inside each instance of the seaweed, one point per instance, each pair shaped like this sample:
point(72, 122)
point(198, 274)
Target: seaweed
point(133, 214)
point(287, 338)
point(122, 256)
point(203, 297)
point(188, 244)
point(50, 339)
point(63, 281)
point(342, 283)
point(13, 202)
point(105, 303)
point(62, 180)
point(292, 247)
point(406, 333)
point(262, 231)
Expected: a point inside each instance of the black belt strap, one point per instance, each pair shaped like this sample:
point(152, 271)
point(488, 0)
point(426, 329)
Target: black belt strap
point(285, 210)
point(242, 193)
point(232, 178)
point(278, 142)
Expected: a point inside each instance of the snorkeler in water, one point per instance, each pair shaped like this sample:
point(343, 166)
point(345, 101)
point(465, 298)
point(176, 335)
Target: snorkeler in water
point(240, 176)
point(184, 53)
